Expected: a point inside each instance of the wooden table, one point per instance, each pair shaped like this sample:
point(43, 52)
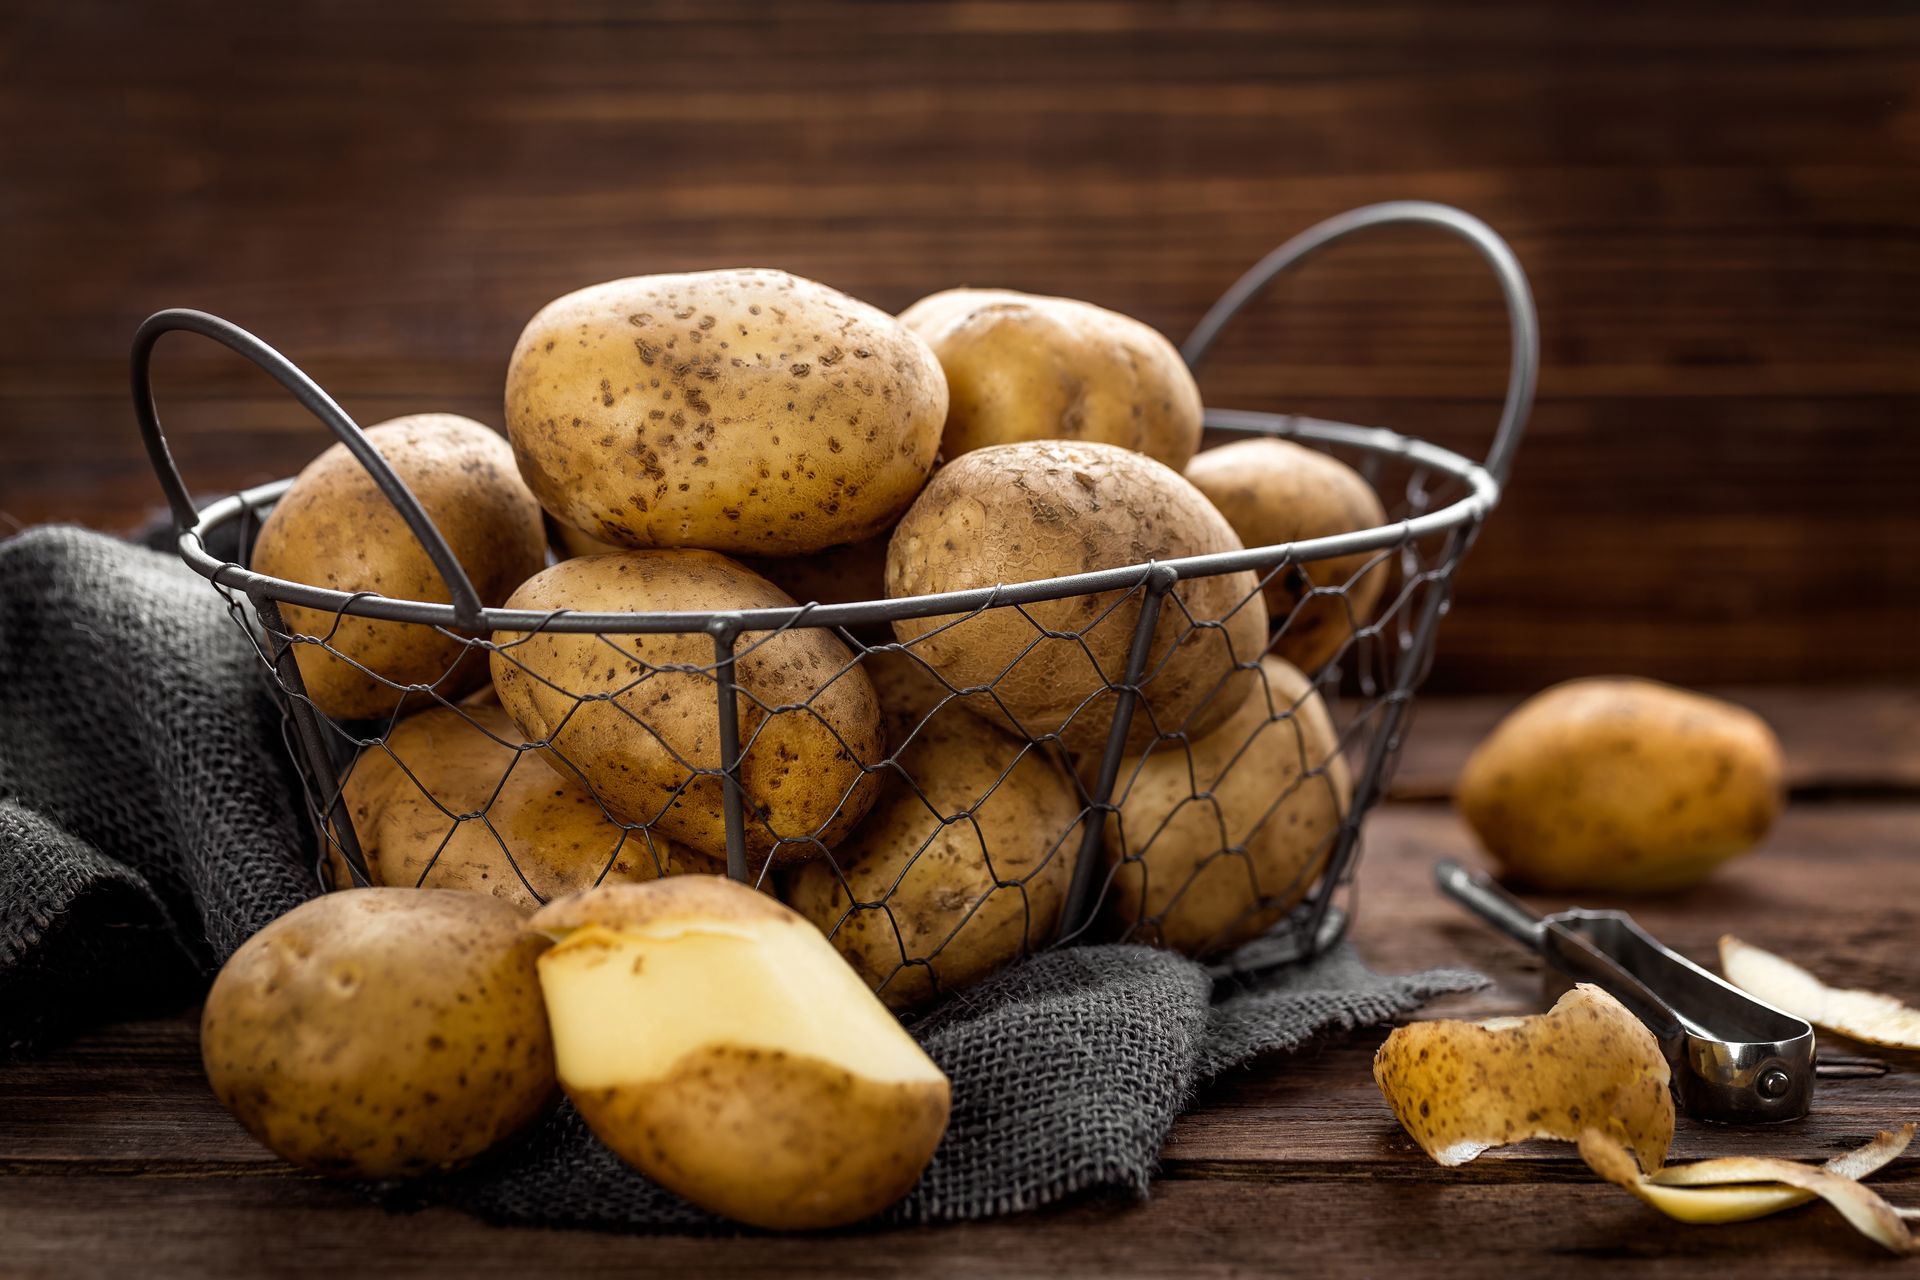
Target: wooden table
point(115, 1159)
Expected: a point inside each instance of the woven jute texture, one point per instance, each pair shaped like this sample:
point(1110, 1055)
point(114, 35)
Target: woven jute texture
point(149, 825)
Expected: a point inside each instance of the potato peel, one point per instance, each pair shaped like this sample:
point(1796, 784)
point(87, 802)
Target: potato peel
point(1460, 1088)
point(1866, 1211)
point(1866, 1016)
point(1741, 1203)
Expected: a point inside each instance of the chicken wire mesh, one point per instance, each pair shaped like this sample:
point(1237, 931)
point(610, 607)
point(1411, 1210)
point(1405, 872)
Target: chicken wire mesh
point(942, 784)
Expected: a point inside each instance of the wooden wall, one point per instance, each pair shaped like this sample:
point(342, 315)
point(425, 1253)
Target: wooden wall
point(1719, 206)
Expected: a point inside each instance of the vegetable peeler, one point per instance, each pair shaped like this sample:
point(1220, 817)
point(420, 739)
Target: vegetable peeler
point(1735, 1060)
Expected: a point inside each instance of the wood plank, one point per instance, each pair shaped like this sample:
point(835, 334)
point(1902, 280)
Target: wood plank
point(131, 1097)
point(1719, 216)
point(1843, 740)
point(1348, 1226)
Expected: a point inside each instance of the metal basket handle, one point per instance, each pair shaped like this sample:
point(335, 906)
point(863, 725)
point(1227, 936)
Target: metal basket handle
point(466, 601)
point(1524, 325)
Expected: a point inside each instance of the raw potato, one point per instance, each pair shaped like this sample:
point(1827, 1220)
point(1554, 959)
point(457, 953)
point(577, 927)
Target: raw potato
point(713, 1039)
point(334, 528)
point(638, 739)
point(465, 762)
point(1459, 1088)
point(1275, 491)
point(1866, 1016)
point(1621, 785)
point(1209, 874)
point(382, 1033)
point(838, 575)
point(959, 899)
point(1020, 512)
point(744, 410)
point(1021, 366)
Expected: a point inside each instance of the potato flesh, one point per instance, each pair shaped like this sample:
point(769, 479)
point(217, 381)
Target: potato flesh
point(1866, 1016)
point(1460, 1088)
point(774, 986)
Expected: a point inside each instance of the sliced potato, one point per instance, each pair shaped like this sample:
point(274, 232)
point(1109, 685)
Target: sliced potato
point(717, 1042)
point(1866, 1016)
point(1460, 1088)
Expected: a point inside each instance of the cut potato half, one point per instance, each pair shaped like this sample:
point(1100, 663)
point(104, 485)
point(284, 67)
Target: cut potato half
point(717, 1042)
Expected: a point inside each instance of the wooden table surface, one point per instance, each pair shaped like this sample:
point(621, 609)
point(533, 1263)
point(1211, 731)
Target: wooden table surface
point(115, 1159)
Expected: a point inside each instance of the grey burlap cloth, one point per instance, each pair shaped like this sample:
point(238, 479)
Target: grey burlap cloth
point(148, 826)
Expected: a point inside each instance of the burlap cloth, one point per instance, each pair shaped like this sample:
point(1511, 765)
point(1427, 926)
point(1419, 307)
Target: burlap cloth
point(149, 825)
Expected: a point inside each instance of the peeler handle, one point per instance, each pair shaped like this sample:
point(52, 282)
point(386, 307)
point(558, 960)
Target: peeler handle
point(1477, 891)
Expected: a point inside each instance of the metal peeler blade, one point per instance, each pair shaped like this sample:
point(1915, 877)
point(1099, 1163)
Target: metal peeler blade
point(1735, 1060)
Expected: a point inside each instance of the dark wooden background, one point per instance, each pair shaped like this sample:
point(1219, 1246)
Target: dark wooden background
point(1720, 208)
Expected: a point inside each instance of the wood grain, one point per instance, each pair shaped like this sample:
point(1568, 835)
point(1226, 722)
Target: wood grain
point(115, 1158)
point(1720, 210)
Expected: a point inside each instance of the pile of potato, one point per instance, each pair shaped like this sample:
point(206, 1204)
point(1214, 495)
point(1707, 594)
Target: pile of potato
point(738, 440)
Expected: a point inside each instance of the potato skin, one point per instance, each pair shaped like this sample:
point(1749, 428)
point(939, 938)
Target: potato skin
point(751, 1143)
point(382, 1033)
point(1274, 491)
point(1621, 785)
point(1186, 886)
point(559, 838)
point(334, 528)
point(800, 769)
point(837, 575)
point(1021, 366)
point(744, 410)
point(969, 897)
point(1019, 512)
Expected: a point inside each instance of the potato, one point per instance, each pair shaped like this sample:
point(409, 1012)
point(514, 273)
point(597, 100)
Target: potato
point(1274, 491)
point(1215, 841)
point(334, 528)
point(714, 1040)
point(1019, 512)
point(947, 902)
point(1459, 1088)
point(837, 575)
point(449, 804)
point(807, 714)
point(1615, 784)
point(1024, 367)
point(747, 411)
point(382, 1033)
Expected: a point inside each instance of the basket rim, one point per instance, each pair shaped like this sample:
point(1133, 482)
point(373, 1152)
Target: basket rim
point(1469, 510)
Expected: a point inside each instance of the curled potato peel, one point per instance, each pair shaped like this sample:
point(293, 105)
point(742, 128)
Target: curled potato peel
point(1866, 1016)
point(1460, 1088)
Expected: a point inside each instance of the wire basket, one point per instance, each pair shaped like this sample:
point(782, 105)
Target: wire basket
point(1114, 822)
